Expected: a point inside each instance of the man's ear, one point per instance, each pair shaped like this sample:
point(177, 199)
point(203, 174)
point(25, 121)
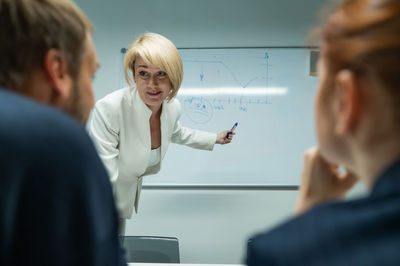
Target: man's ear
point(349, 94)
point(59, 79)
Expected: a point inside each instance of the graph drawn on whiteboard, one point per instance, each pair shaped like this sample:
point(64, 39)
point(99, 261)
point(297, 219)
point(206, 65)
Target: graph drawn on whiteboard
point(214, 81)
point(268, 91)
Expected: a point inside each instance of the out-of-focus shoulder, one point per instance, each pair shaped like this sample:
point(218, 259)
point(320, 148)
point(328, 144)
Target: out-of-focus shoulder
point(32, 127)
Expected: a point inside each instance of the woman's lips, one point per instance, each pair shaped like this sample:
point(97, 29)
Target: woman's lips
point(154, 93)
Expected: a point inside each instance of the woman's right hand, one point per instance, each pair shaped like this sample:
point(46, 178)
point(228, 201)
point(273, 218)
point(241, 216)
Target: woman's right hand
point(321, 182)
point(222, 139)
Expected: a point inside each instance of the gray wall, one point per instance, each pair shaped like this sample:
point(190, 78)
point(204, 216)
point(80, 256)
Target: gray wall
point(212, 225)
point(195, 23)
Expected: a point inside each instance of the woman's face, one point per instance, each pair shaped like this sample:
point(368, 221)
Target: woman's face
point(152, 83)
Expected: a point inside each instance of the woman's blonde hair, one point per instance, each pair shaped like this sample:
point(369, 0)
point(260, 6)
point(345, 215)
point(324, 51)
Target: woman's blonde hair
point(155, 50)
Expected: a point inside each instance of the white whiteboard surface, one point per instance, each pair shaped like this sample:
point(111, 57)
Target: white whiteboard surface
point(269, 92)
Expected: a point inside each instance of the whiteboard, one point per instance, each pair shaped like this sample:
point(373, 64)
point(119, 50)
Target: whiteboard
point(269, 92)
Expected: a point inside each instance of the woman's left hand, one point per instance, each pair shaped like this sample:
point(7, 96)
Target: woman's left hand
point(321, 181)
point(222, 139)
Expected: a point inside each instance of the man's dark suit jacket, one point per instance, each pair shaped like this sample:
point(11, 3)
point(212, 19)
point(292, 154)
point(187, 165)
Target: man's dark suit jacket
point(56, 201)
point(359, 232)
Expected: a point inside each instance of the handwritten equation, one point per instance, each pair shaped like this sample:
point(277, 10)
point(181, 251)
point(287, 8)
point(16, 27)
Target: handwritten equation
point(200, 110)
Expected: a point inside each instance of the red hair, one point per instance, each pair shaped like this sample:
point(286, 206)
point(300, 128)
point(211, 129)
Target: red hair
point(364, 37)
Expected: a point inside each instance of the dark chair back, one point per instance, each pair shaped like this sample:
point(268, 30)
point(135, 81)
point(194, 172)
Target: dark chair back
point(151, 249)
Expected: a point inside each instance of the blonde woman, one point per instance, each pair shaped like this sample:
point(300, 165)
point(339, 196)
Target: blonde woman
point(132, 127)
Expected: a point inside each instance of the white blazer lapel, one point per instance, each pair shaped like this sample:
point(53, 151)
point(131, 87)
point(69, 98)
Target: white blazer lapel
point(164, 131)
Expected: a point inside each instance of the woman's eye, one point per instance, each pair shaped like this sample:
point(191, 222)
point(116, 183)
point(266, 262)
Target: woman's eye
point(161, 74)
point(143, 74)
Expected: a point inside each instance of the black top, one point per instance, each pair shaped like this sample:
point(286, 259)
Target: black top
point(359, 232)
point(56, 201)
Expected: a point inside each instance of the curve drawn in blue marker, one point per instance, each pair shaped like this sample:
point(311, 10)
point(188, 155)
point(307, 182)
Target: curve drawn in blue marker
point(198, 109)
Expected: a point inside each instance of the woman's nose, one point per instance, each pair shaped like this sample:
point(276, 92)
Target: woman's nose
point(153, 81)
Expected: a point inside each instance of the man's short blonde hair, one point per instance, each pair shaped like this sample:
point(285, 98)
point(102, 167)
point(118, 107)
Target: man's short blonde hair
point(30, 28)
point(155, 50)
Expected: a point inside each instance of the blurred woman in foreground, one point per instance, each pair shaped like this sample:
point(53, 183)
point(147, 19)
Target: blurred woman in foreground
point(358, 127)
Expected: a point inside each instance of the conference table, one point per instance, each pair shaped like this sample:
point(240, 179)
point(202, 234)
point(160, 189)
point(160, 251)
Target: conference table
point(180, 264)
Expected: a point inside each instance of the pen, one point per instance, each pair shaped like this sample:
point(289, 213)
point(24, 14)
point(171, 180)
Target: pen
point(233, 128)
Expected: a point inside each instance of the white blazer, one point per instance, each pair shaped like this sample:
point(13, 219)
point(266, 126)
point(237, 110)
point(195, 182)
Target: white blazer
point(120, 129)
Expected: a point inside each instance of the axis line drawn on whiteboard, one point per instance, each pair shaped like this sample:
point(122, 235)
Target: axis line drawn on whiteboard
point(242, 85)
